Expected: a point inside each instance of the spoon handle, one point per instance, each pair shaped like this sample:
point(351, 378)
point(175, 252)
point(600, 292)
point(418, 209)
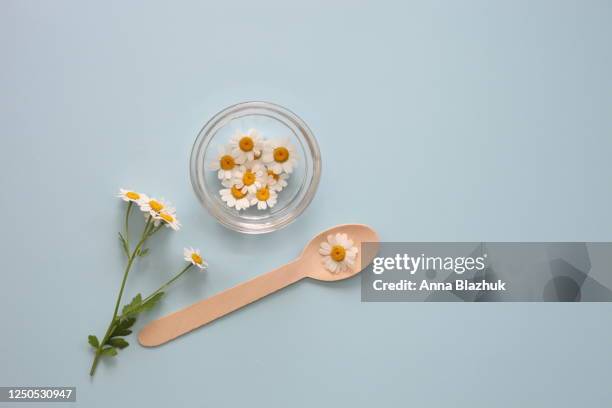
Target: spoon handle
point(205, 311)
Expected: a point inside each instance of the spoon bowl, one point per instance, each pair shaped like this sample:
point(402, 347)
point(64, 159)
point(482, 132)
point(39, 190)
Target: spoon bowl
point(309, 264)
point(358, 233)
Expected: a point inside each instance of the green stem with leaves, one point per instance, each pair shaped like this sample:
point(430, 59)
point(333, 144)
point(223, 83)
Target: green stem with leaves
point(148, 231)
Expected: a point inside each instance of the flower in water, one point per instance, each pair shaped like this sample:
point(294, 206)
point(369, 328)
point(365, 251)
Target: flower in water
point(280, 156)
point(246, 146)
point(225, 163)
point(339, 253)
point(235, 198)
point(193, 255)
point(277, 182)
point(250, 177)
point(264, 198)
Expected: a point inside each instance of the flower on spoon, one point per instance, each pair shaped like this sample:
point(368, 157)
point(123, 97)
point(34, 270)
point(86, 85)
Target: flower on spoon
point(246, 146)
point(339, 253)
point(225, 163)
point(194, 256)
point(280, 156)
point(264, 198)
point(235, 198)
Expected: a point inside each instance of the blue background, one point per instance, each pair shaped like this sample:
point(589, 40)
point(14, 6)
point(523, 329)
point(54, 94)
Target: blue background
point(437, 121)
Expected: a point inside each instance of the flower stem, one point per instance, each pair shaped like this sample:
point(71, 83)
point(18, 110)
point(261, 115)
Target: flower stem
point(170, 282)
point(145, 234)
point(127, 221)
point(129, 266)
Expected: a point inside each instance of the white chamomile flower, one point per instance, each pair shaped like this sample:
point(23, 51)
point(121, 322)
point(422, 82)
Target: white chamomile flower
point(264, 198)
point(250, 177)
point(194, 256)
point(225, 163)
point(234, 197)
point(277, 182)
point(168, 218)
point(154, 206)
point(246, 146)
point(279, 156)
point(157, 219)
point(129, 195)
point(338, 252)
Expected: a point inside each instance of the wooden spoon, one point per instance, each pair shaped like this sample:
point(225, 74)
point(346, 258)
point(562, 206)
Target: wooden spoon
point(308, 264)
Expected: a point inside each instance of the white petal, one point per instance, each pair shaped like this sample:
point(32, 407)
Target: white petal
point(324, 249)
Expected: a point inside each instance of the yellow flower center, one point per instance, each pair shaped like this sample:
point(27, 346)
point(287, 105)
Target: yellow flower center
point(227, 162)
point(273, 175)
point(237, 194)
point(263, 194)
point(196, 258)
point(338, 253)
point(156, 205)
point(281, 154)
point(132, 195)
point(246, 144)
point(166, 217)
point(248, 178)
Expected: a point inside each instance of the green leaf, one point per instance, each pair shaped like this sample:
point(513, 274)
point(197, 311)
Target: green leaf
point(109, 351)
point(149, 304)
point(133, 307)
point(126, 323)
point(143, 252)
point(122, 332)
point(137, 306)
point(93, 341)
point(124, 245)
point(122, 327)
point(118, 342)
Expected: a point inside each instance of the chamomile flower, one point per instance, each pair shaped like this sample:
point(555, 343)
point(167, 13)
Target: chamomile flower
point(250, 177)
point(277, 182)
point(280, 156)
point(264, 198)
point(154, 206)
point(129, 195)
point(225, 163)
point(157, 219)
point(246, 146)
point(338, 252)
point(194, 256)
point(168, 218)
point(235, 198)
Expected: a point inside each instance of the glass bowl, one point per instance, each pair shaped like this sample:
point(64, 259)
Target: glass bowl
point(272, 122)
